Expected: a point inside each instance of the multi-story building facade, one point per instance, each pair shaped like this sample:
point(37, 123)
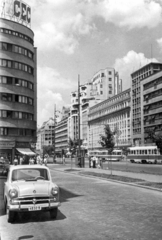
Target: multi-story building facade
point(61, 136)
point(114, 111)
point(103, 85)
point(151, 105)
point(143, 82)
point(46, 134)
point(61, 132)
point(18, 84)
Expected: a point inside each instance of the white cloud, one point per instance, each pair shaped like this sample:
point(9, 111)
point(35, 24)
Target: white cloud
point(59, 24)
point(132, 14)
point(159, 41)
point(51, 90)
point(128, 64)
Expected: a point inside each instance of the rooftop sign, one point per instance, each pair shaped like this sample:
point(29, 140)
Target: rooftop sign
point(16, 10)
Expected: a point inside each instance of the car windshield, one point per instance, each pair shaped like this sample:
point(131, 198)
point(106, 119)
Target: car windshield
point(32, 174)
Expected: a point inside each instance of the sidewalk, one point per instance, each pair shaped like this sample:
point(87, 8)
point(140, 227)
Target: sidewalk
point(143, 176)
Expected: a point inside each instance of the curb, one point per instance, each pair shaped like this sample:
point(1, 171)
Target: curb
point(109, 180)
point(121, 182)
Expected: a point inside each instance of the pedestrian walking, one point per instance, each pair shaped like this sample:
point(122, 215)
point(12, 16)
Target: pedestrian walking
point(38, 159)
point(45, 160)
point(63, 159)
point(21, 160)
point(31, 161)
point(15, 161)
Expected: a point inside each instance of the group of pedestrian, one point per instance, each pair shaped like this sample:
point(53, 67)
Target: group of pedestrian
point(95, 162)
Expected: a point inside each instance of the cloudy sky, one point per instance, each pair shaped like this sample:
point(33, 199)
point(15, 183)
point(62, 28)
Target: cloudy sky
point(83, 36)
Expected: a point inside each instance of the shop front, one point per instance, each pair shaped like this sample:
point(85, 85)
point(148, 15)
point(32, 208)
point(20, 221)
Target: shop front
point(23, 149)
point(7, 150)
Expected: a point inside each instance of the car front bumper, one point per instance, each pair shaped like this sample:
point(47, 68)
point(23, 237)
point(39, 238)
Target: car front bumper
point(35, 207)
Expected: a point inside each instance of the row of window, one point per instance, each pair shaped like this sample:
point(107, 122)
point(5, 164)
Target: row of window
point(155, 116)
point(153, 95)
point(16, 65)
point(153, 128)
point(109, 102)
point(16, 98)
point(4, 131)
point(152, 106)
point(16, 81)
point(144, 152)
point(17, 34)
point(16, 49)
point(16, 115)
point(152, 83)
point(140, 77)
point(109, 110)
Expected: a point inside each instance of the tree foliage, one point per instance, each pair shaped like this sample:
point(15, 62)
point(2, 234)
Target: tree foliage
point(155, 138)
point(107, 140)
point(48, 150)
point(73, 145)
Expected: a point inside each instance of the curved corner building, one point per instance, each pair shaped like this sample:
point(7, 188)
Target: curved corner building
point(18, 88)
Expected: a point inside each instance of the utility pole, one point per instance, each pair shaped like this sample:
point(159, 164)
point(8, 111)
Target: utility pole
point(79, 153)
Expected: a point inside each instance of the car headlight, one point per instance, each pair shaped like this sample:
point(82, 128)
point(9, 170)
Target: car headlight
point(54, 191)
point(13, 193)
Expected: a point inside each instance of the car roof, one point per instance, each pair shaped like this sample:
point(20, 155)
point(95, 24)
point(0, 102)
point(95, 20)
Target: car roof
point(12, 167)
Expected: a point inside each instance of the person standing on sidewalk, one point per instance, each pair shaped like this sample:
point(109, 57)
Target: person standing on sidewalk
point(15, 161)
point(63, 159)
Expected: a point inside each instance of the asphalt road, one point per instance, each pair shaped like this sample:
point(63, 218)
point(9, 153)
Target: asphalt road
point(92, 209)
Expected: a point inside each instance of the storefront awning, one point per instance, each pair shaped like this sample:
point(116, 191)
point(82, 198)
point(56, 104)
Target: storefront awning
point(25, 151)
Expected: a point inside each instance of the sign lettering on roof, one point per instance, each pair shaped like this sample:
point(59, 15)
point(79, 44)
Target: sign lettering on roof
point(16, 10)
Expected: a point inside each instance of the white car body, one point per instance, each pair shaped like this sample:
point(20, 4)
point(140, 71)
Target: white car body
point(30, 188)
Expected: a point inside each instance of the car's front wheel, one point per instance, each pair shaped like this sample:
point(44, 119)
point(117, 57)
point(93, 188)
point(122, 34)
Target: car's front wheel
point(10, 214)
point(53, 213)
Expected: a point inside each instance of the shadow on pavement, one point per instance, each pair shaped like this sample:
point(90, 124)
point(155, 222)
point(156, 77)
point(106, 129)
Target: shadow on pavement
point(22, 218)
point(65, 195)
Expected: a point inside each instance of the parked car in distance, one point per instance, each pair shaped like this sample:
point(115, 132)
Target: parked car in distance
point(30, 188)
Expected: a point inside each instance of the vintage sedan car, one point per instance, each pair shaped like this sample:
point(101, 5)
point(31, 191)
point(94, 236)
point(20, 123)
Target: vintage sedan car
point(30, 188)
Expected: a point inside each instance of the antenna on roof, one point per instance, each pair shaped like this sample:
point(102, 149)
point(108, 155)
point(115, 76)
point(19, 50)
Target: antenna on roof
point(151, 52)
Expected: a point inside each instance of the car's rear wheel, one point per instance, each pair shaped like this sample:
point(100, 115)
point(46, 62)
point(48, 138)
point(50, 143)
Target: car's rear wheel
point(10, 214)
point(53, 213)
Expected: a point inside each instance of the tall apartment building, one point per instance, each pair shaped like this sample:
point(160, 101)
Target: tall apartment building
point(115, 112)
point(106, 84)
point(61, 136)
point(45, 134)
point(103, 85)
point(61, 132)
point(151, 105)
point(73, 114)
point(143, 82)
point(18, 81)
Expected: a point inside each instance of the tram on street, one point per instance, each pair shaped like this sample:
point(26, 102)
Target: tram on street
point(144, 154)
point(117, 155)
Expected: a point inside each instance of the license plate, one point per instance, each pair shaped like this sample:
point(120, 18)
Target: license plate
point(34, 208)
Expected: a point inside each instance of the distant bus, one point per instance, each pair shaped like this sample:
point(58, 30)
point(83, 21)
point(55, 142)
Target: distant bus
point(144, 154)
point(103, 154)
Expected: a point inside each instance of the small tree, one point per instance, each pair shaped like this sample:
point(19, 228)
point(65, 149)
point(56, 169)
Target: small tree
point(107, 140)
point(155, 138)
point(72, 148)
point(47, 150)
